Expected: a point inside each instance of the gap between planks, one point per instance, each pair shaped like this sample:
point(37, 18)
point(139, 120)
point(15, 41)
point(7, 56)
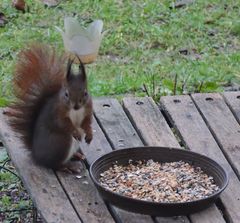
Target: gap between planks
point(232, 99)
point(222, 124)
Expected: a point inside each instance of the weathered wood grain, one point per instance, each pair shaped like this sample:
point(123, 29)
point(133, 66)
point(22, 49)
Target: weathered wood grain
point(222, 124)
point(210, 215)
point(233, 101)
point(115, 123)
point(175, 219)
point(196, 136)
point(119, 130)
point(148, 117)
point(85, 198)
point(42, 184)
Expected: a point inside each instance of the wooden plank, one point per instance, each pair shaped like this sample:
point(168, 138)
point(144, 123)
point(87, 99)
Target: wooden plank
point(80, 187)
point(41, 183)
point(210, 215)
point(121, 133)
point(115, 123)
point(85, 198)
point(233, 101)
point(175, 219)
point(222, 124)
point(148, 117)
point(196, 136)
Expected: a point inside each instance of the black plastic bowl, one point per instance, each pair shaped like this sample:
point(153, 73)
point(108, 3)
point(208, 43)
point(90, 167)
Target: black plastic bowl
point(160, 154)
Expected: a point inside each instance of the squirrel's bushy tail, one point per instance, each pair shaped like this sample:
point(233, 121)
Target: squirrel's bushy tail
point(39, 75)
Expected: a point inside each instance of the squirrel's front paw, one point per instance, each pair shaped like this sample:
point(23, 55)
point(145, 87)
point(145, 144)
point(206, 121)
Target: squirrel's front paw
point(88, 138)
point(77, 135)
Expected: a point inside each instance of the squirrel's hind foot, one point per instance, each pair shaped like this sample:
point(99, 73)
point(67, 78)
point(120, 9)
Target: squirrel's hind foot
point(71, 167)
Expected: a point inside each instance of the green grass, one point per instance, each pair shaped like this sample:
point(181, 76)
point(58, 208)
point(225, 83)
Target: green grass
point(13, 197)
point(142, 44)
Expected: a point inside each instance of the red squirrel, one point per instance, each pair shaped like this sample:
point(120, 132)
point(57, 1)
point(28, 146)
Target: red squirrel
point(53, 108)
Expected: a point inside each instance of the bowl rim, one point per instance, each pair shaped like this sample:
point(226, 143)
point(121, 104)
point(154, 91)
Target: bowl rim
point(159, 203)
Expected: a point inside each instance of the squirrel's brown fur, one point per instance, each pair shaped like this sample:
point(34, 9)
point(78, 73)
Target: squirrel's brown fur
point(47, 95)
point(38, 75)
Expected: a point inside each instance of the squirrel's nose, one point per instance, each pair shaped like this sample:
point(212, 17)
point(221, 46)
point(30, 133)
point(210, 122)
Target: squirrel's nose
point(76, 107)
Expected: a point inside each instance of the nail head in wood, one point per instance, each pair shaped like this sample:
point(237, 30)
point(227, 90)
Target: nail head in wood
point(139, 103)
point(209, 99)
point(176, 101)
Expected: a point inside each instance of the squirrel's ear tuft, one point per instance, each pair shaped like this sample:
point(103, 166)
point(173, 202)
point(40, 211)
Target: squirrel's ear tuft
point(81, 68)
point(69, 66)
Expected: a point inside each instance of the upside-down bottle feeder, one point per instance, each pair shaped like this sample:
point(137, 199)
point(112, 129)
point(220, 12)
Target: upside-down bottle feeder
point(84, 42)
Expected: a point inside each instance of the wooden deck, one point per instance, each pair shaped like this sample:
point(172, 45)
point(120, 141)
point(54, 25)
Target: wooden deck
point(204, 123)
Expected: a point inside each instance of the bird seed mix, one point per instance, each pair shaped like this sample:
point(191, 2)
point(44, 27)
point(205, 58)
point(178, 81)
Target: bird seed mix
point(159, 182)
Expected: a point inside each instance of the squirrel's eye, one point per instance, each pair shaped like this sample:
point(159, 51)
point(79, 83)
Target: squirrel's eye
point(85, 93)
point(66, 94)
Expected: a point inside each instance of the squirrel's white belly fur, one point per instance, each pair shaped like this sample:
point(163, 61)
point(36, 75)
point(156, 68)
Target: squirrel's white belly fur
point(76, 117)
